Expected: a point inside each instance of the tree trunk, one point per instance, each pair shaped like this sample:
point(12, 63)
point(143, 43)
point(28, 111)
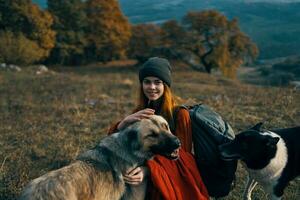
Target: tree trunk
point(207, 65)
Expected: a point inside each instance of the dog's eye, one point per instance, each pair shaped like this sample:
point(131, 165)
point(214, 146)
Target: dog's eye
point(153, 134)
point(165, 126)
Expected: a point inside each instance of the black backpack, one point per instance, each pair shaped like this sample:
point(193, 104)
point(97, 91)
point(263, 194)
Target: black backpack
point(209, 131)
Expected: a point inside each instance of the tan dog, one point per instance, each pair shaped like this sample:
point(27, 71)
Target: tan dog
point(97, 174)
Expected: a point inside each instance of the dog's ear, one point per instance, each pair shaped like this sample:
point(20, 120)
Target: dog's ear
point(257, 126)
point(132, 135)
point(133, 138)
point(272, 141)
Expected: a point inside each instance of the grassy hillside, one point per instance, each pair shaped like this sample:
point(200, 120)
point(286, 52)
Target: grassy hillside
point(46, 120)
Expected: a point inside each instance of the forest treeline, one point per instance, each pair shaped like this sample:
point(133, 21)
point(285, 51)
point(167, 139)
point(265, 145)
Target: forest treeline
point(75, 32)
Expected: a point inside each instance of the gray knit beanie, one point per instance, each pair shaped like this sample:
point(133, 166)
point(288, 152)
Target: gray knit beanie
point(157, 67)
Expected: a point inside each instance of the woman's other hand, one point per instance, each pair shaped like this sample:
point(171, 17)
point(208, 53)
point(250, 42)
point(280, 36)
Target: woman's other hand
point(145, 113)
point(136, 176)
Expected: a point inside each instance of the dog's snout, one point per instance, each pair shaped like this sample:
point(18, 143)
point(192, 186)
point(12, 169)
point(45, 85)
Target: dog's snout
point(176, 142)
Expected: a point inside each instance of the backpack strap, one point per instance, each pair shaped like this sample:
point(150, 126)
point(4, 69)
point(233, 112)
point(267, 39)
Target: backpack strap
point(175, 114)
point(174, 121)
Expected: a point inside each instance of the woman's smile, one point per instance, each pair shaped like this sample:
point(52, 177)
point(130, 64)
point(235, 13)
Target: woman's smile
point(153, 88)
point(152, 95)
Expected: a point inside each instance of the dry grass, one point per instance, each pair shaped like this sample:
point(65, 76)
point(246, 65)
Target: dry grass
point(47, 120)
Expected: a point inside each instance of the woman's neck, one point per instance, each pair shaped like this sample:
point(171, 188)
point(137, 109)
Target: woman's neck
point(156, 105)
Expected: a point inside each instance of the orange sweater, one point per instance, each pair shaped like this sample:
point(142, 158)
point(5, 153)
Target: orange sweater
point(179, 179)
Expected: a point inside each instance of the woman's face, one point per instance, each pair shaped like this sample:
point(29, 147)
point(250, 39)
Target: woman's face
point(153, 87)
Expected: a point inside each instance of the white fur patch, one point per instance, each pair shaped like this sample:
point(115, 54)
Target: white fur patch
point(272, 172)
point(115, 135)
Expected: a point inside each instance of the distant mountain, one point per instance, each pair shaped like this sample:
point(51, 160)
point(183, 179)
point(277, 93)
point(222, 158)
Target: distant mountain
point(273, 24)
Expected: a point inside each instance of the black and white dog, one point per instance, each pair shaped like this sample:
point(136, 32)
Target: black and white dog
point(272, 158)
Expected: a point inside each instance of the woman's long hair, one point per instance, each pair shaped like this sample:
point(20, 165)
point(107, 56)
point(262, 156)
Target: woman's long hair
point(168, 103)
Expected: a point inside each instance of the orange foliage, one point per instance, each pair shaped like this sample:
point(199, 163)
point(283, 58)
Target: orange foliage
point(108, 29)
point(173, 34)
point(41, 28)
point(145, 37)
point(222, 44)
point(17, 49)
point(22, 17)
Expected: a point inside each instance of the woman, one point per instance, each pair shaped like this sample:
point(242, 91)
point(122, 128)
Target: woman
point(169, 179)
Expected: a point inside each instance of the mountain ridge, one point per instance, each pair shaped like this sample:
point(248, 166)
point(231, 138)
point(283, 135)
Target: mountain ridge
point(273, 24)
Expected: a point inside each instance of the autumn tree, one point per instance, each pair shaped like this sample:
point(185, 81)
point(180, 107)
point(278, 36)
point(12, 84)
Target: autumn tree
point(70, 24)
point(218, 42)
point(174, 39)
point(15, 48)
point(108, 30)
point(39, 28)
point(13, 14)
point(173, 34)
point(145, 38)
point(24, 17)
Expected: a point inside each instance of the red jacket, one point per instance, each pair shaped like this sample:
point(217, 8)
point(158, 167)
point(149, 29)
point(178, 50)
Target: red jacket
point(176, 179)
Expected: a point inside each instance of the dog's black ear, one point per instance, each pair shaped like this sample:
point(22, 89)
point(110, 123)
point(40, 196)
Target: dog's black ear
point(272, 141)
point(132, 135)
point(133, 139)
point(257, 126)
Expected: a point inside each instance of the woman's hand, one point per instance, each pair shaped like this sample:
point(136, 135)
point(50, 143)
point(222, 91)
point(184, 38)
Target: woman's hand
point(136, 176)
point(146, 113)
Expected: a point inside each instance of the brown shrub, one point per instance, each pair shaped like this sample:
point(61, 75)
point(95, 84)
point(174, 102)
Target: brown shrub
point(17, 49)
